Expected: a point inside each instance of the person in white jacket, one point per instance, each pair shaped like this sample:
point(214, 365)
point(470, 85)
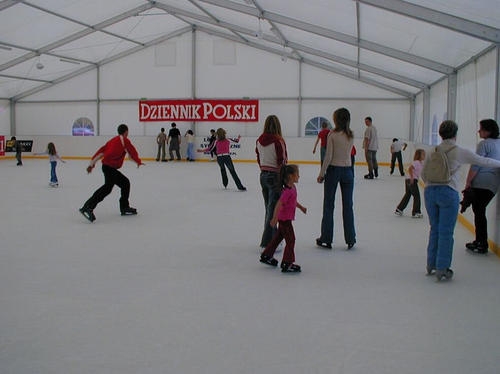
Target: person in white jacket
point(442, 202)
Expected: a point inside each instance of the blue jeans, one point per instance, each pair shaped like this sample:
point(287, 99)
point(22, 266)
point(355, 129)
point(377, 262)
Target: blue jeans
point(190, 151)
point(53, 176)
point(344, 176)
point(441, 203)
point(271, 191)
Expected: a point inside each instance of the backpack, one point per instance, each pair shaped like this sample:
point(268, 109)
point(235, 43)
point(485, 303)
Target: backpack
point(436, 168)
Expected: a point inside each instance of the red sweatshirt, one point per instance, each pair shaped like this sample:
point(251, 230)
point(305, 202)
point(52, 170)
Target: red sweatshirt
point(114, 151)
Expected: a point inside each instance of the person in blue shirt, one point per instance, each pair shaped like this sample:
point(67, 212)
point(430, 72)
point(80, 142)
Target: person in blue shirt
point(482, 183)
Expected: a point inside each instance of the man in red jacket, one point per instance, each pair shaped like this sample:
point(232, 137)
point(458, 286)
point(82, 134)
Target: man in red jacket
point(112, 154)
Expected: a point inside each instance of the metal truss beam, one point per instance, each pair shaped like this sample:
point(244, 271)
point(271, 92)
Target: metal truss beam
point(327, 33)
point(441, 19)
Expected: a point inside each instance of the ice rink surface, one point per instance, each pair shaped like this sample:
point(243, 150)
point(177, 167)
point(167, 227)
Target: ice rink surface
point(179, 288)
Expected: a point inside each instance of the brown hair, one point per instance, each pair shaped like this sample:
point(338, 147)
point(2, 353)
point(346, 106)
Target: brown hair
point(418, 154)
point(51, 148)
point(272, 125)
point(220, 133)
point(342, 119)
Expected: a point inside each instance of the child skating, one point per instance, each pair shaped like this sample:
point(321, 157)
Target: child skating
point(53, 157)
point(411, 186)
point(284, 214)
point(222, 148)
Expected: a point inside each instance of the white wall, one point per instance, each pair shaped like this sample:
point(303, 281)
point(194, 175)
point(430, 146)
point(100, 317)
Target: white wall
point(299, 149)
point(4, 117)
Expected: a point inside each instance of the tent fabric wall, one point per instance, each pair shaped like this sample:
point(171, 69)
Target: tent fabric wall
point(256, 74)
point(4, 117)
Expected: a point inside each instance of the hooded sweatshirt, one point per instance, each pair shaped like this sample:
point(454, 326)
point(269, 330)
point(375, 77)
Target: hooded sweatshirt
point(271, 152)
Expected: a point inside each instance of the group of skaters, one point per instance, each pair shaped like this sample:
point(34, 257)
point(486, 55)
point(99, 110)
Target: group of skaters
point(278, 180)
point(441, 195)
point(173, 139)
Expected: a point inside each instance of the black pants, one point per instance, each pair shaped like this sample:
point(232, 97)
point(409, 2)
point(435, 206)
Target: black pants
point(174, 146)
point(225, 161)
point(399, 157)
point(111, 177)
point(411, 189)
point(481, 199)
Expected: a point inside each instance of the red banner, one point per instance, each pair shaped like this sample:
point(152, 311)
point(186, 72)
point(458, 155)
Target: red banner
point(199, 110)
point(2, 145)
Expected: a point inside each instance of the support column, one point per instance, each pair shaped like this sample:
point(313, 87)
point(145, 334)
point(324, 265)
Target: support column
point(452, 97)
point(411, 133)
point(496, 235)
point(193, 71)
point(426, 129)
point(98, 102)
point(299, 102)
point(497, 87)
point(12, 118)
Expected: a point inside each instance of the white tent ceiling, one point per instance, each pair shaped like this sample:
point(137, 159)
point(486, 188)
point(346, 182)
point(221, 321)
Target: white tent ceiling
point(401, 46)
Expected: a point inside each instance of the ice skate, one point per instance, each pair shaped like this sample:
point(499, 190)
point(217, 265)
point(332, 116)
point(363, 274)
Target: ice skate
point(444, 275)
point(477, 247)
point(129, 211)
point(290, 268)
point(87, 213)
point(265, 259)
point(321, 244)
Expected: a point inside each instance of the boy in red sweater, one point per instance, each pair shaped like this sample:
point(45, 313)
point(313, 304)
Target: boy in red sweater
point(112, 154)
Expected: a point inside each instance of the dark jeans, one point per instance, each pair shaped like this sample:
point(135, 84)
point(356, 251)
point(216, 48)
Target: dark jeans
point(271, 191)
point(481, 199)
point(53, 175)
point(336, 175)
point(225, 161)
point(174, 146)
point(284, 231)
point(111, 177)
point(397, 156)
point(411, 189)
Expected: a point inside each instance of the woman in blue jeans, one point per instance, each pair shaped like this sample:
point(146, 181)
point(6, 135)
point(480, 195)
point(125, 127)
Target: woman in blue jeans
point(442, 202)
point(271, 156)
point(337, 169)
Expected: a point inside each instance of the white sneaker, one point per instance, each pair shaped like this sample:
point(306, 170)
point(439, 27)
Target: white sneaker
point(398, 212)
point(417, 215)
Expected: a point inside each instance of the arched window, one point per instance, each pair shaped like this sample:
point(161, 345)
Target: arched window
point(313, 126)
point(83, 127)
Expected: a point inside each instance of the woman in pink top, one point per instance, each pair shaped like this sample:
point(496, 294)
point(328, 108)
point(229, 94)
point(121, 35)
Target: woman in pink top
point(221, 146)
point(411, 186)
point(284, 214)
